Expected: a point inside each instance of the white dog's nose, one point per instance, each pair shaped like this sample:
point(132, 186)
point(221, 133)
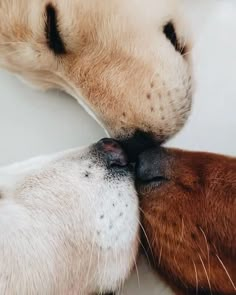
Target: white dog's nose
point(112, 152)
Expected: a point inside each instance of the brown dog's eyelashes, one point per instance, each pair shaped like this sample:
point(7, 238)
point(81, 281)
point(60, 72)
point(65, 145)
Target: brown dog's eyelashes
point(190, 220)
point(53, 37)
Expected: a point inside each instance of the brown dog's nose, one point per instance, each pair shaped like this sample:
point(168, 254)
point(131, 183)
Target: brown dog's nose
point(112, 152)
point(152, 165)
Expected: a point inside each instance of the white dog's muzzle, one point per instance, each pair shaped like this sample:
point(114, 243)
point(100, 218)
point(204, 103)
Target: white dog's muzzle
point(68, 222)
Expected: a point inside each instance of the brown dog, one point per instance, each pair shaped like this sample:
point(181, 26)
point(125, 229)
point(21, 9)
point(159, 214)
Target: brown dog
point(188, 201)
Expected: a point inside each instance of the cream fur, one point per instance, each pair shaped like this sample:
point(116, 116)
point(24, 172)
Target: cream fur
point(119, 65)
point(62, 232)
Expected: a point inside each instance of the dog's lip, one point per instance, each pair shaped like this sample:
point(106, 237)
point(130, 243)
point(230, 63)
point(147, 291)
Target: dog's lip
point(130, 168)
point(155, 182)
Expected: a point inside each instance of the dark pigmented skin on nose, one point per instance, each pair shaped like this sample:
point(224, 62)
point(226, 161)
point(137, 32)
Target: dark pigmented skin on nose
point(138, 143)
point(152, 164)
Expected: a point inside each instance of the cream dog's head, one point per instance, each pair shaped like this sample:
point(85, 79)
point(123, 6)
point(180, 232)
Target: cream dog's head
point(68, 223)
point(128, 59)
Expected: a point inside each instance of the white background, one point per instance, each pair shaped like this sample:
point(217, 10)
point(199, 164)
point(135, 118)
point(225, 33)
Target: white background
point(33, 123)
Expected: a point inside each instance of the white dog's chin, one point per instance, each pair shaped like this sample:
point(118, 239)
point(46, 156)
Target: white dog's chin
point(68, 225)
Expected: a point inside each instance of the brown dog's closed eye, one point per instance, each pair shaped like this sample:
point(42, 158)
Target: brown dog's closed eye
point(53, 37)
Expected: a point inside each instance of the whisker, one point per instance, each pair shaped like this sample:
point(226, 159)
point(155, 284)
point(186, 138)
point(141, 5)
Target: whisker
point(200, 249)
point(116, 259)
point(90, 261)
point(196, 275)
point(145, 252)
point(179, 272)
point(105, 267)
point(145, 234)
point(208, 280)
point(103, 276)
point(159, 260)
point(121, 288)
point(188, 52)
point(136, 268)
point(184, 46)
point(208, 251)
point(226, 271)
point(140, 209)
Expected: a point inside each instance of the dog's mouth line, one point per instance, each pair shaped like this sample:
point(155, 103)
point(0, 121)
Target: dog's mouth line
point(77, 94)
point(154, 180)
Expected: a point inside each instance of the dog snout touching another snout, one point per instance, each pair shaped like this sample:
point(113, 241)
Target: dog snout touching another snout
point(112, 152)
point(138, 143)
point(152, 165)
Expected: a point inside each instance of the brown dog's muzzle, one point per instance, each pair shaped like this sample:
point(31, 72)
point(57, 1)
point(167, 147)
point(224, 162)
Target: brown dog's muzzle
point(187, 202)
point(152, 165)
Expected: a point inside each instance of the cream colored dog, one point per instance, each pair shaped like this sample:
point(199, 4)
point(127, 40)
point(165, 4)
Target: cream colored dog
point(127, 62)
point(68, 223)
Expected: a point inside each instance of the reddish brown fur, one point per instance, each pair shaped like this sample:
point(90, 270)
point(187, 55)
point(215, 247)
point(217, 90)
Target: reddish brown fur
point(190, 222)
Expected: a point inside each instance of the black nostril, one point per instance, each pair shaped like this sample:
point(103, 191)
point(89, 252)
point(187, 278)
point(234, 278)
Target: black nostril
point(112, 152)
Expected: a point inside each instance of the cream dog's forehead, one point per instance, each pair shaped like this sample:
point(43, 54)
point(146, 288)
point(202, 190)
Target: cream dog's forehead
point(127, 62)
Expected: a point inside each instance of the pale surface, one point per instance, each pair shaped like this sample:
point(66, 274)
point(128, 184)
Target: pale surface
point(33, 123)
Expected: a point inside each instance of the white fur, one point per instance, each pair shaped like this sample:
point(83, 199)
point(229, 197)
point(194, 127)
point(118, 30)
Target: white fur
point(62, 232)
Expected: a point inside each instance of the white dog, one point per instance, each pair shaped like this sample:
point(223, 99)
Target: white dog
point(68, 223)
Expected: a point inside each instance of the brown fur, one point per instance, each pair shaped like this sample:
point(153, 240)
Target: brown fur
point(190, 221)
